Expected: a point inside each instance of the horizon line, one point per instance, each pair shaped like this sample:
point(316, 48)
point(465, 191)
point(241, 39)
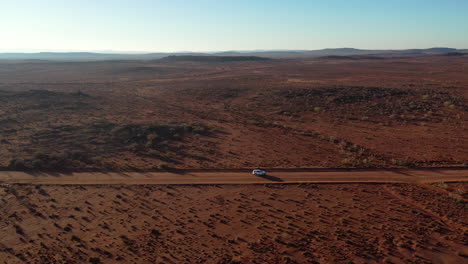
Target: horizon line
point(111, 52)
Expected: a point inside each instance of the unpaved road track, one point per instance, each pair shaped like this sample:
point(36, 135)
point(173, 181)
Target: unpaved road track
point(238, 177)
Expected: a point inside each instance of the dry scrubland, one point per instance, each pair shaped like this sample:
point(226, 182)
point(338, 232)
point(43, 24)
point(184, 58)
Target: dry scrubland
point(307, 223)
point(173, 113)
point(329, 112)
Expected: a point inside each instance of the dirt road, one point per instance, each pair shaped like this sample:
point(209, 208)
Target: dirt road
point(237, 177)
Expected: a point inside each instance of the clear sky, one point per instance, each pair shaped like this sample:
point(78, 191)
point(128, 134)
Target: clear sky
point(216, 25)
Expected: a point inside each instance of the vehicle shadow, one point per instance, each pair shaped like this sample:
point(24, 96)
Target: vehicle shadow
point(271, 178)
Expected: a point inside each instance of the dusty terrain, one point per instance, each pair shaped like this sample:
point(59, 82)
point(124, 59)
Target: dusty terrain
point(323, 112)
point(67, 126)
point(431, 175)
point(269, 223)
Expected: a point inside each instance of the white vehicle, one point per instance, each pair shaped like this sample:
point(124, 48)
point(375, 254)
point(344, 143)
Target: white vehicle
point(259, 172)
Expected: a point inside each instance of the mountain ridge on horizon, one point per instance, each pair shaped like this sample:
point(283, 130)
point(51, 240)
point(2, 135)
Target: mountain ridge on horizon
point(93, 56)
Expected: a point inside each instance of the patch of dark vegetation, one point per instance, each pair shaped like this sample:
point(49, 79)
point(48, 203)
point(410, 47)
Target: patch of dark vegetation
point(94, 260)
point(142, 69)
point(88, 145)
point(227, 93)
point(45, 94)
point(8, 120)
point(208, 58)
point(215, 90)
point(62, 160)
point(339, 95)
point(363, 103)
point(153, 135)
point(45, 99)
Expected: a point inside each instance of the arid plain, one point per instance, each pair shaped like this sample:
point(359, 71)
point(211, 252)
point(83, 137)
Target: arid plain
point(190, 113)
point(328, 112)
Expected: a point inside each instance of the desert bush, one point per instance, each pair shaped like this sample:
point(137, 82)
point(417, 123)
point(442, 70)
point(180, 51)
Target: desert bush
point(97, 159)
point(152, 139)
point(133, 147)
point(42, 192)
point(153, 153)
point(198, 129)
point(16, 164)
point(163, 166)
point(19, 230)
point(95, 260)
point(37, 164)
point(155, 232)
point(38, 155)
point(77, 155)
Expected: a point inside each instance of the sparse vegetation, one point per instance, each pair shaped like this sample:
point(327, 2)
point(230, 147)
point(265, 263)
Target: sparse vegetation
point(136, 138)
point(113, 123)
point(139, 219)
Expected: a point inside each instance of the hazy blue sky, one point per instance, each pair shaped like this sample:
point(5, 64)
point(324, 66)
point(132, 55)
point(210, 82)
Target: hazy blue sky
point(213, 25)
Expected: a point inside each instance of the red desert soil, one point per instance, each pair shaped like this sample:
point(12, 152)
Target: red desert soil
point(301, 113)
point(161, 115)
point(438, 175)
point(268, 223)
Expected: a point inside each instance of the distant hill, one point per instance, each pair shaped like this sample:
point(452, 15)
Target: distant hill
point(211, 58)
point(436, 50)
point(246, 55)
point(353, 57)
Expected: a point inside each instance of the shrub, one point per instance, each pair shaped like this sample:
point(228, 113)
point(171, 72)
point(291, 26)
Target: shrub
point(198, 129)
point(151, 137)
point(38, 155)
point(77, 155)
point(155, 232)
point(16, 164)
point(133, 147)
point(19, 230)
point(95, 260)
point(37, 164)
point(163, 166)
point(187, 128)
point(43, 192)
point(97, 159)
point(153, 153)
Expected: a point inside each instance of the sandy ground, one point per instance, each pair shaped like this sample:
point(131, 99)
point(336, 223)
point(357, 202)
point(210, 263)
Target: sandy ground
point(262, 223)
point(244, 177)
